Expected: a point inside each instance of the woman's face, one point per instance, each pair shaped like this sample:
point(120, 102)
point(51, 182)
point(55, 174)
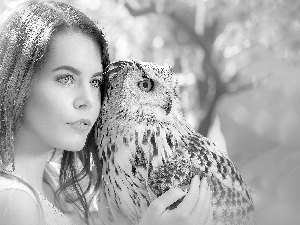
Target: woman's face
point(65, 101)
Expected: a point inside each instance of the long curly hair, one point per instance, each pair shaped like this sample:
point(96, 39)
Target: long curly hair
point(24, 38)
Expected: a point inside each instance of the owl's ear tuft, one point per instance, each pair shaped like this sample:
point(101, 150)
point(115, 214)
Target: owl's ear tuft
point(115, 69)
point(168, 67)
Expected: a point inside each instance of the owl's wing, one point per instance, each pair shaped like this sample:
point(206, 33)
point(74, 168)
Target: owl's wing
point(231, 197)
point(212, 160)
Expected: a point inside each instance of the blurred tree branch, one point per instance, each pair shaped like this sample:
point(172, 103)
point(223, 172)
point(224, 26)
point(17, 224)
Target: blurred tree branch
point(212, 87)
point(198, 39)
point(141, 11)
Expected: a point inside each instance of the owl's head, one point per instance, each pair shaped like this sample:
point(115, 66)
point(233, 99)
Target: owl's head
point(141, 91)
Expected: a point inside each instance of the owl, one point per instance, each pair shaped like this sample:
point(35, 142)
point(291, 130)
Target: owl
point(146, 146)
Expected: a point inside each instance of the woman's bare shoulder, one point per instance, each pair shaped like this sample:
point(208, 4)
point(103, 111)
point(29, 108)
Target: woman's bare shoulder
point(18, 207)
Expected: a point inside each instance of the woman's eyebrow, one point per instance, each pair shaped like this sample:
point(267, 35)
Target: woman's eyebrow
point(70, 68)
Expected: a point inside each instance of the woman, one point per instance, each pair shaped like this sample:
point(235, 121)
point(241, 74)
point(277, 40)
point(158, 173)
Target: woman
point(51, 84)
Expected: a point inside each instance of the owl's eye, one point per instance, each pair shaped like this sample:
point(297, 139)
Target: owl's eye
point(146, 84)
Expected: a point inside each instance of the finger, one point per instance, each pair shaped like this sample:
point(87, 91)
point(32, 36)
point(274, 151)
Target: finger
point(208, 210)
point(168, 198)
point(191, 198)
point(210, 218)
point(201, 210)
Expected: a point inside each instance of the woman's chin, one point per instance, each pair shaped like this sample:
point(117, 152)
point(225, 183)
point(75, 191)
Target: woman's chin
point(74, 146)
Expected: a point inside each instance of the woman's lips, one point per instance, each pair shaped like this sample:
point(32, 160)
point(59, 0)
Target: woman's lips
point(81, 124)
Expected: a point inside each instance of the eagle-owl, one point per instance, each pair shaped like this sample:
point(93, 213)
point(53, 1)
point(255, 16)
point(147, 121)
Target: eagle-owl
point(146, 146)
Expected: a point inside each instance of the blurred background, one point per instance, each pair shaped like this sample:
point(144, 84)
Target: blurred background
point(239, 73)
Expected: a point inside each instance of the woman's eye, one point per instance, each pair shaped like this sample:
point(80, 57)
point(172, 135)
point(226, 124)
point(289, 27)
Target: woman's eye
point(146, 85)
point(96, 82)
point(66, 79)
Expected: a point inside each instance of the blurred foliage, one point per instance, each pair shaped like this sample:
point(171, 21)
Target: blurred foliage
point(237, 59)
point(210, 43)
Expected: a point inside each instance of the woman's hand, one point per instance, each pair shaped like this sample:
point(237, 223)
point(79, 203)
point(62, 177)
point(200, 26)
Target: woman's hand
point(195, 208)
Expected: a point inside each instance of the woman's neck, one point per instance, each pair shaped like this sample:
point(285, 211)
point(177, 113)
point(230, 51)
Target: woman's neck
point(30, 157)
point(31, 168)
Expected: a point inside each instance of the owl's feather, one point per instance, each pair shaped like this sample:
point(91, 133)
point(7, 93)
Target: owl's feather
point(146, 146)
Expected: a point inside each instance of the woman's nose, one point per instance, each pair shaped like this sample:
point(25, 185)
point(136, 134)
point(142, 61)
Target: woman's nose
point(84, 99)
